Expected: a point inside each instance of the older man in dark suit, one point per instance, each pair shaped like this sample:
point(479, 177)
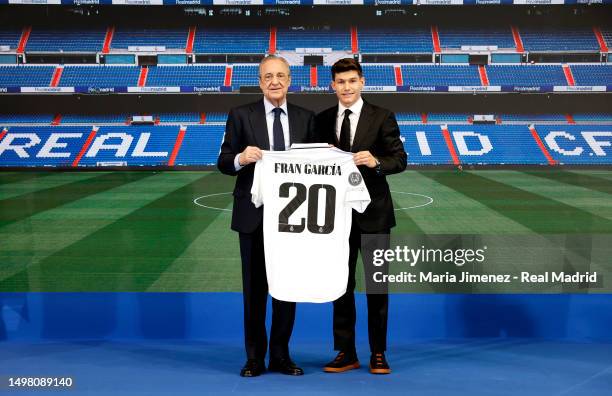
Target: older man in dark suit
point(372, 134)
point(268, 124)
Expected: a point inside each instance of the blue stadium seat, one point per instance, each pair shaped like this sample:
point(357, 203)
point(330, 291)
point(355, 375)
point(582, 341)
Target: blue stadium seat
point(10, 119)
point(529, 75)
point(95, 119)
point(532, 117)
point(67, 40)
point(26, 76)
point(558, 39)
point(592, 74)
point(446, 117)
point(597, 117)
point(178, 118)
point(245, 75)
point(300, 76)
point(10, 37)
point(201, 145)
point(216, 117)
point(411, 117)
point(191, 75)
point(379, 75)
point(100, 76)
point(441, 75)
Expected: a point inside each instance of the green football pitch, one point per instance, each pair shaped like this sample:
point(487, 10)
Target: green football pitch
point(169, 231)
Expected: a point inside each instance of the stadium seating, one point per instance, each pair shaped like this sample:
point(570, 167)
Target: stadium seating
point(100, 76)
point(592, 74)
point(65, 40)
point(98, 119)
point(12, 119)
point(531, 75)
point(243, 75)
point(532, 117)
point(425, 75)
point(26, 76)
point(10, 38)
point(558, 39)
point(200, 76)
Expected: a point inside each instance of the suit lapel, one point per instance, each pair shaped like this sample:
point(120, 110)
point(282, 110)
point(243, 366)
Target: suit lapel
point(294, 125)
point(363, 125)
point(257, 117)
point(333, 119)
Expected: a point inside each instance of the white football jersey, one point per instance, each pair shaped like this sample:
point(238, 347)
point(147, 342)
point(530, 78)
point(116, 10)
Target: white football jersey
point(308, 196)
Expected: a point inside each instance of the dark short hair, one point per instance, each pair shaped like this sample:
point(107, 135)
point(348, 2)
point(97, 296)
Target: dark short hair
point(344, 65)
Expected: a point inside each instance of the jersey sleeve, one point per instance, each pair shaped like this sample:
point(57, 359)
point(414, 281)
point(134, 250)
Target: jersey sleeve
point(257, 188)
point(357, 195)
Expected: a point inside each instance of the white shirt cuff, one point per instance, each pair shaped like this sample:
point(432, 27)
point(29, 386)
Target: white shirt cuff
point(237, 165)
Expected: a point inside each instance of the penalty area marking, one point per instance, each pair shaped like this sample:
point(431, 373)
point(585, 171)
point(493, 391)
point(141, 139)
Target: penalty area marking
point(429, 200)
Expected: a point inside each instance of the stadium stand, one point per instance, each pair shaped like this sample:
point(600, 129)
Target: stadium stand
point(440, 75)
point(243, 75)
point(558, 39)
point(10, 38)
point(26, 76)
point(65, 40)
point(592, 74)
point(532, 75)
point(201, 76)
point(100, 76)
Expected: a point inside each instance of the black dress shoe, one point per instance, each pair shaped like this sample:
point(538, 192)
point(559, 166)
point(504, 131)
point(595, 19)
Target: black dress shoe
point(378, 364)
point(253, 368)
point(344, 361)
point(285, 366)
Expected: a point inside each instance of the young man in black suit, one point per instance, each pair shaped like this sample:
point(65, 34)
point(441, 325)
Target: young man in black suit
point(268, 124)
point(372, 134)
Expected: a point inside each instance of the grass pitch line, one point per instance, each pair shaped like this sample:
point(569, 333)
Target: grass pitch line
point(429, 200)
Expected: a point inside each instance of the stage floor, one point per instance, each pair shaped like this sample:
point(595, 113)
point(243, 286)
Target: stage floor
point(481, 366)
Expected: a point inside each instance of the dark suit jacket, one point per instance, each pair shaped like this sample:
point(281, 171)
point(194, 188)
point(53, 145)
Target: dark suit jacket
point(378, 133)
point(246, 126)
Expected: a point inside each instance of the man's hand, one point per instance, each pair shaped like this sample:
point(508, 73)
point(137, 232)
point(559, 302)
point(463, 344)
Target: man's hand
point(249, 155)
point(365, 158)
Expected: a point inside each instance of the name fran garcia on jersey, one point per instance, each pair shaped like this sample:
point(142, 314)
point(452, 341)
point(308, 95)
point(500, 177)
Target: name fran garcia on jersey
point(308, 169)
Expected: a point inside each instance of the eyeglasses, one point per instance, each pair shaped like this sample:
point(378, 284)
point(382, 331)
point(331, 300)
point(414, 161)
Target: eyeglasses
point(282, 77)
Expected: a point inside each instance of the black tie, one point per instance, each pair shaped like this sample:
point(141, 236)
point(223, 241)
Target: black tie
point(277, 131)
point(345, 132)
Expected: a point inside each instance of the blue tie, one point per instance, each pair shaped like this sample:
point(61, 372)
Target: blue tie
point(277, 131)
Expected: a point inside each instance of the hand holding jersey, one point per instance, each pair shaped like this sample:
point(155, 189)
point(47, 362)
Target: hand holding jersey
point(308, 196)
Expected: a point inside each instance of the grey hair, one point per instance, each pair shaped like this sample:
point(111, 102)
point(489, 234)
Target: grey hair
point(272, 57)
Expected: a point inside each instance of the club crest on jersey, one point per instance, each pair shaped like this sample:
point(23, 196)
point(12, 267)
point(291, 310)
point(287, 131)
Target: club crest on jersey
point(354, 179)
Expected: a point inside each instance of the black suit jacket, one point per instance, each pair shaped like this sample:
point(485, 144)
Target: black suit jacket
point(378, 133)
point(246, 126)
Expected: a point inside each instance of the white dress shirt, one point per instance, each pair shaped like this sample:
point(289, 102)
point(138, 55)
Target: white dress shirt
point(353, 118)
point(284, 119)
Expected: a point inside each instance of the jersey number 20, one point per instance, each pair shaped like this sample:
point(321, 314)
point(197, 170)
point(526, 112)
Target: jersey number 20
point(313, 208)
